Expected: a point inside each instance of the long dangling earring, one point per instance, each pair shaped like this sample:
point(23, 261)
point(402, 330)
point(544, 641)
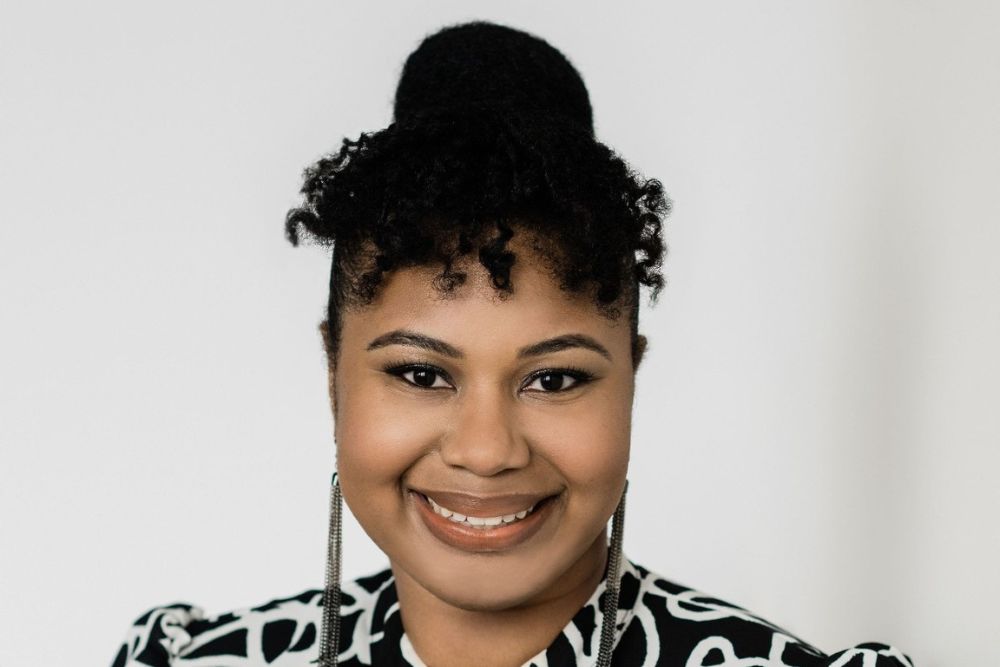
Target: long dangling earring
point(330, 632)
point(613, 586)
point(329, 638)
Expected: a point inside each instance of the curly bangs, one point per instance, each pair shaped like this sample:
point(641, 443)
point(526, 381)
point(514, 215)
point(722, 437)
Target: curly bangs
point(440, 185)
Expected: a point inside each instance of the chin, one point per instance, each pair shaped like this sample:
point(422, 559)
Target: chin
point(485, 594)
point(494, 582)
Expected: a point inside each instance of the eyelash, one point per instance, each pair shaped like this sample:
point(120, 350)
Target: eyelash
point(579, 375)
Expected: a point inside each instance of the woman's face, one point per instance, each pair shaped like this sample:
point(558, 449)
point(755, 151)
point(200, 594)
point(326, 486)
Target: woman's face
point(511, 415)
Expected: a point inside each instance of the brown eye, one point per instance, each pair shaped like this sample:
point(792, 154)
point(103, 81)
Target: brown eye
point(552, 381)
point(425, 377)
point(557, 380)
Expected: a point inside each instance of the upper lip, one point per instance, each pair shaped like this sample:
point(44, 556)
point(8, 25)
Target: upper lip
point(484, 505)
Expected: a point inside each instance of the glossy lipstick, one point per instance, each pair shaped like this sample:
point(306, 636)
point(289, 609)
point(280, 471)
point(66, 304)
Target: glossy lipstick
point(498, 523)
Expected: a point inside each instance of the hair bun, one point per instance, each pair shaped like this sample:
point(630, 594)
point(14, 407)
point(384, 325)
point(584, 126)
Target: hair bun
point(480, 64)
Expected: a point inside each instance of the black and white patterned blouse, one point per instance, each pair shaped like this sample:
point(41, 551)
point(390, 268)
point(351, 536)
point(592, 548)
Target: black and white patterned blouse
point(660, 623)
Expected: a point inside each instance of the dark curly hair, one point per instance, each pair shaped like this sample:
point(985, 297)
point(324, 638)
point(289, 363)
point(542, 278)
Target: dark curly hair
point(493, 135)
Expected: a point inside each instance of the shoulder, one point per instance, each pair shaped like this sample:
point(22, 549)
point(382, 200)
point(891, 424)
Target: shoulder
point(179, 634)
point(674, 623)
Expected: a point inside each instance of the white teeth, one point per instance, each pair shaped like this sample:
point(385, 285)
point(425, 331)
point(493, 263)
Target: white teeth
point(478, 522)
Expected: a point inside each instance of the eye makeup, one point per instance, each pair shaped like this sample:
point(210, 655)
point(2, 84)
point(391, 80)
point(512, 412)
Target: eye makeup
point(579, 375)
point(400, 368)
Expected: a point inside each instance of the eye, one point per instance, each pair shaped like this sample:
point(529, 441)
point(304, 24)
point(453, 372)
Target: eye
point(558, 379)
point(425, 377)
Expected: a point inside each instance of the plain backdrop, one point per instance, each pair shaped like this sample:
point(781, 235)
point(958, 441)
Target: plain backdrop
point(816, 427)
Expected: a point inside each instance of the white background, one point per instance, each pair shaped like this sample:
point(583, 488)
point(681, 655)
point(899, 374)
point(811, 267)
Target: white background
point(817, 425)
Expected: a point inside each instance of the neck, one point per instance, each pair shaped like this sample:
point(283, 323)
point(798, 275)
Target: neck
point(444, 635)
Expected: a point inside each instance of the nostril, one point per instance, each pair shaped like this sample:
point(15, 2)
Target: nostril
point(485, 456)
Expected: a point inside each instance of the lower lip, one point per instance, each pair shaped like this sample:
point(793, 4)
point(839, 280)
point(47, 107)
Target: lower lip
point(481, 540)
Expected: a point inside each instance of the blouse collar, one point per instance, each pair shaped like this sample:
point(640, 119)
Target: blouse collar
point(389, 644)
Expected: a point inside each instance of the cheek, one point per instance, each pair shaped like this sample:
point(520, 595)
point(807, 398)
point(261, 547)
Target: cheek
point(589, 444)
point(377, 442)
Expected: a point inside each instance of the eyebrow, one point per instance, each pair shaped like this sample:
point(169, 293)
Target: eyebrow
point(414, 339)
point(564, 342)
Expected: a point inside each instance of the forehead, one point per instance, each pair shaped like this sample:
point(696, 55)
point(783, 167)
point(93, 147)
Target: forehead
point(476, 311)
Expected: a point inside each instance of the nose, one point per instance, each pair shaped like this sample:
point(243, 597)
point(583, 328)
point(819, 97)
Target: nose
point(485, 438)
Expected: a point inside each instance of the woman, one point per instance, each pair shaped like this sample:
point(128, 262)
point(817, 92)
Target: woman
point(482, 339)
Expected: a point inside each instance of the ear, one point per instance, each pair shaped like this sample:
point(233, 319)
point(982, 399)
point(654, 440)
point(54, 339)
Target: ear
point(324, 330)
point(638, 351)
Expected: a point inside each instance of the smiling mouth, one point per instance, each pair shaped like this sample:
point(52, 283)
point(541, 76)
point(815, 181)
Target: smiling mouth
point(482, 525)
point(484, 522)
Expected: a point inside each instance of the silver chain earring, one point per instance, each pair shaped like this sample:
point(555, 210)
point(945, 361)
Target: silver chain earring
point(610, 609)
point(329, 647)
point(329, 638)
